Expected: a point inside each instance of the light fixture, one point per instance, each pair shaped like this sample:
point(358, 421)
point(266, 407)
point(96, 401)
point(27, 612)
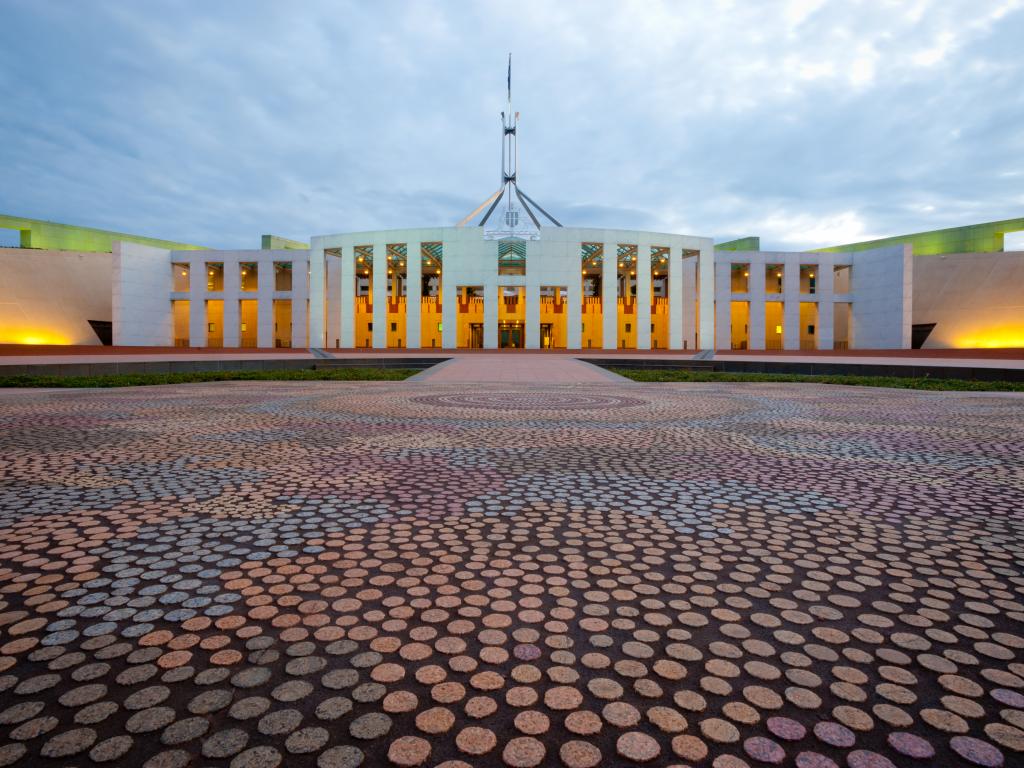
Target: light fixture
point(811, 275)
point(184, 274)
point(746, 274)
point(211, 273)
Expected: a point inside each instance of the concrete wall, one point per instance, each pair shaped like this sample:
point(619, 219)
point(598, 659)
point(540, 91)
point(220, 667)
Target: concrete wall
point(48, 297)
point(882, 298)
point(141, 284)
point(975, 299)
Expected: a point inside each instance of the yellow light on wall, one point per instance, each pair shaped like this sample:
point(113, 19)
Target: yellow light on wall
point(1004, 337)
point(33, 336)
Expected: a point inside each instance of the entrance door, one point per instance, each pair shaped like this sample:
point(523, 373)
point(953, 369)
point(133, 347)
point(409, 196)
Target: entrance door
point(510, 336)
point(476, 335)
point(545, 335)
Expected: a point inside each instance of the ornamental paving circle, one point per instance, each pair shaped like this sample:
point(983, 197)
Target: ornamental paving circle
point(369, 574)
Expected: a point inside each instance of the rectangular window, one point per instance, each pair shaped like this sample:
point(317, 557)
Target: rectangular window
point(247, 322)
point(282, 309)
point(248, 275)
point(842, 276)
point(808, 278)
point(180, 313)
point(740, 278)
point(215, 323)
point(773, 278)
point(773, 325)
point(842, 325)
point(282, 275)
point(180, 277)
point(214, 276)
point(808, 324)
point(739, 322)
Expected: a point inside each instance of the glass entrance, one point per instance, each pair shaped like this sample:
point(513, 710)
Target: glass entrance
point(546, 334)
point(510, 335)
point(476, 335)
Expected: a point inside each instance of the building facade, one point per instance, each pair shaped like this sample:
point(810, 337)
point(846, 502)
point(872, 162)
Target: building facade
point(570, 288)
point(553, 287)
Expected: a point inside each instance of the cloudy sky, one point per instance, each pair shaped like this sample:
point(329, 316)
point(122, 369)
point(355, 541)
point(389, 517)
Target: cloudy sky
point(806, 122)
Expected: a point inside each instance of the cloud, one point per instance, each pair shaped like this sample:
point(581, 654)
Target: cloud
point(825, 122)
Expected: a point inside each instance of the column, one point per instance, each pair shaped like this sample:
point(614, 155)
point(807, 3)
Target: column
point(643, 295)
point(689, 303)
point(791, 309)
point(532, 295)
point(706, 280)
point(232, 294)
point(379, 295)
point(347, 303)
point(197, 303)
point(574, 312)
point(491, 314)
point(723, 305)
point(413, 294)
point(265, 305)
point(300, 305)
point(825, 332)
point(317, 321)
point(755, 288)
point(675, 297)
point(609, 296)
point(449, 313)
point(332, 289)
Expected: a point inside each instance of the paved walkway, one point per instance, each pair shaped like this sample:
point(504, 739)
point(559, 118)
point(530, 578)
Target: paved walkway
point(395, 575)
point(517, 369)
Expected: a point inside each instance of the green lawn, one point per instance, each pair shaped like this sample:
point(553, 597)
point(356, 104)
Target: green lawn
point(146, 379)
point(653, 374)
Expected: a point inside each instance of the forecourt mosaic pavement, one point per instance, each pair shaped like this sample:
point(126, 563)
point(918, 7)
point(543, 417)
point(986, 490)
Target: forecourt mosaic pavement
point(331, 574)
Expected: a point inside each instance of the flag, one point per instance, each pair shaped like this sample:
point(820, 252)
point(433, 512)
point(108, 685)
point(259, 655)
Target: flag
point(510, 77)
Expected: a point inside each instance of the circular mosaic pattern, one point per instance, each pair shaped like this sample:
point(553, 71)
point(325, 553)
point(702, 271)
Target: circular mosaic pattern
point(530, 401)
point(345, 575)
